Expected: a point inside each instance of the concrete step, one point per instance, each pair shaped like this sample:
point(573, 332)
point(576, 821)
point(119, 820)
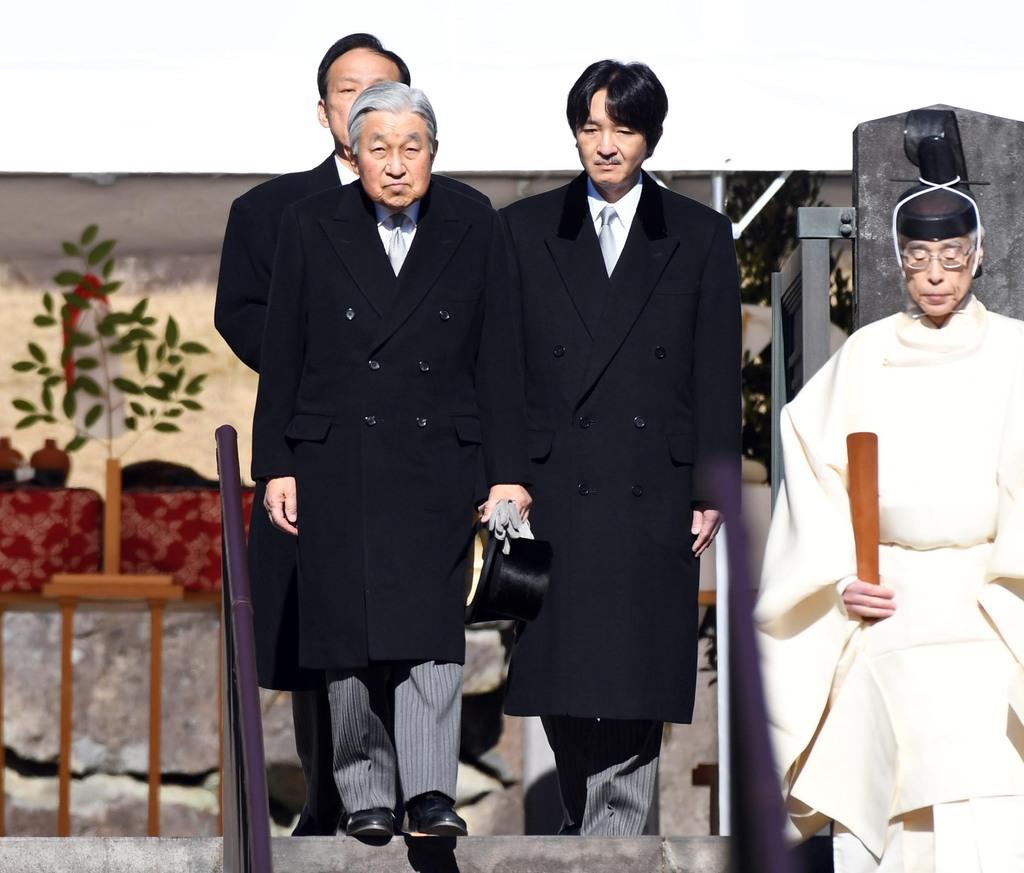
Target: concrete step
point(422, 854)
point(347, 855)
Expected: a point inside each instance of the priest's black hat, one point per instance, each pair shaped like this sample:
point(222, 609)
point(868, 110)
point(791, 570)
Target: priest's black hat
point(942, 205)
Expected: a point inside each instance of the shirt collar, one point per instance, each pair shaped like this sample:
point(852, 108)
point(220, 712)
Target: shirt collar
point(412, 212)
point(625, 207)
point(345, 174)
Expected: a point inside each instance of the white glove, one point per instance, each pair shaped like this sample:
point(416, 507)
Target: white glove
point(505, 525)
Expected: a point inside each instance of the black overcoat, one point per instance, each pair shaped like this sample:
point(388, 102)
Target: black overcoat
point(633, 392)
point(382, 396)
point(243, 289)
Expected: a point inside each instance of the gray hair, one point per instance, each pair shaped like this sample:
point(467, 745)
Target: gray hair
point(393, 97)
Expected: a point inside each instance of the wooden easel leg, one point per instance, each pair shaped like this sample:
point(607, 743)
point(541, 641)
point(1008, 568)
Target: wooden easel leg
point(67, 630)
point(156, 650)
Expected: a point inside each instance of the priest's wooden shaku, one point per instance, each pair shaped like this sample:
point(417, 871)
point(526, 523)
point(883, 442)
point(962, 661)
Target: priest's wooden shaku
point(862, 456)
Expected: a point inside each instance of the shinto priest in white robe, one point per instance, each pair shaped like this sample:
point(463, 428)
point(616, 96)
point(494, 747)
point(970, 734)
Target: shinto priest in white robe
point(872, 720)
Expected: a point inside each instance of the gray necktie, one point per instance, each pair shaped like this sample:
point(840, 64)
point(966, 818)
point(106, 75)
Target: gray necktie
point(397, 248)
point(607, 239)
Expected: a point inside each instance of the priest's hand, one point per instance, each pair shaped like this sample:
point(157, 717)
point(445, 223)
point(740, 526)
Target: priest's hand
point(705, 525)
point(516, 493)
point(865, 600)
point(281, 504)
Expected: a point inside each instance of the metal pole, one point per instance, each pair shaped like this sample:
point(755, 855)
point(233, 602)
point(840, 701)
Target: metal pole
point(722, 613)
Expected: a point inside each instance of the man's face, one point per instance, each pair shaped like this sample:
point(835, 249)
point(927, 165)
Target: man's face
point(935, 289)
point(347, 78)
point(610, 153)
point(394, 158)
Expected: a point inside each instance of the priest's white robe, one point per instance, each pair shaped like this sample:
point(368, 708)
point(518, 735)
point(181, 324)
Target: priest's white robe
point(872, 720)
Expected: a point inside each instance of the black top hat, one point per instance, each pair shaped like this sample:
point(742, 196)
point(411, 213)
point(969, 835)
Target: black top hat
point(511, 586)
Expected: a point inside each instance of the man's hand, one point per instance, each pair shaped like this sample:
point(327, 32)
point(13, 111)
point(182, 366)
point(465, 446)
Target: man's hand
point(705, 525)
point(865, 600)
point(516, 493)
point(281, 504)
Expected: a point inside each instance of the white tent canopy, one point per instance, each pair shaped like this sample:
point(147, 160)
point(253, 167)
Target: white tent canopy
point(228, 87)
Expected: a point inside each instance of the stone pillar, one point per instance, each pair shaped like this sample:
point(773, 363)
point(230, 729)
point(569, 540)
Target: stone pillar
point(994, 152)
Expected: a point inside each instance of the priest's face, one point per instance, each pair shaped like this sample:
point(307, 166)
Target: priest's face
point(938, 274)
point(394, 156)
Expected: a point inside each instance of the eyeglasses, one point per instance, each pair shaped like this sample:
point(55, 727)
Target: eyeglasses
point(952, 258)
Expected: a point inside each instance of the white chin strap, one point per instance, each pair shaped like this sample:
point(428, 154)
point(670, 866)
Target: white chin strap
point(935, 186)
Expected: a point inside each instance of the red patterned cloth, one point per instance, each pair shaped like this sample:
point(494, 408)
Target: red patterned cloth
point(176, 532)
point(45, 531)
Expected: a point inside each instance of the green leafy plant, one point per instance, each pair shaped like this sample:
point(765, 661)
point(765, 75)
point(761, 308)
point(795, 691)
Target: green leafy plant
point(88, 384)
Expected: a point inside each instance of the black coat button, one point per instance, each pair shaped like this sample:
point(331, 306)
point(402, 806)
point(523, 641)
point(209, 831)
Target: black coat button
point(421, 422)
point(559, 351)
point(583, 488)
point(350, 314)
point(639, 423)
point(424, 366)
point(585, 421)
point(374, 365)
point(370, 420)
point(444, 315)
point(638, 490)
point(659, 352)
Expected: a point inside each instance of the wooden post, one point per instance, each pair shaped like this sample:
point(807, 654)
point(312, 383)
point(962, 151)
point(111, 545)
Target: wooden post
point(112, 519)
point(862, 465)
point(67, 629)
point(156, 648)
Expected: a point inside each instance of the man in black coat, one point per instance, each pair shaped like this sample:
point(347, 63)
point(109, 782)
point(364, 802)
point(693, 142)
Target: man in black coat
point(389, 371)
point(631, 334)
point(349, 66)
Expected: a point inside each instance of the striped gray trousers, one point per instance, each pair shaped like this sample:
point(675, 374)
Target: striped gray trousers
point(396, 729)
point(607, 771)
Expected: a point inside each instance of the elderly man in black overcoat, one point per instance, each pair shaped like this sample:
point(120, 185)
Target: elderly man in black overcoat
point(631, 323)
point(350, 65)
point(389, 371)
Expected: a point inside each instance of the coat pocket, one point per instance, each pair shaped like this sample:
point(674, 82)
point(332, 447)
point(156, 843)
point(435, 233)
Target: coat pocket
point(305, 426)
point(467, 429)
point(538, 444)
point(680, 447)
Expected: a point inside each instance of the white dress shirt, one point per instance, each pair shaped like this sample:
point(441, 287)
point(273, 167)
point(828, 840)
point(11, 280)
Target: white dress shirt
point(625, 212)
point(345, 174)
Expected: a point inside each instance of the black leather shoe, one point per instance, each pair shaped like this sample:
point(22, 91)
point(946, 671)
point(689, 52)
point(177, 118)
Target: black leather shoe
point(377, 822)
point(434, 813)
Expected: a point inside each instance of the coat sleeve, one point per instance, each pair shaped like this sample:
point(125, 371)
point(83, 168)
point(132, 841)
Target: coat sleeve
point(281, 360)
point(243, 283)
point(500, 388)
point(716, 366)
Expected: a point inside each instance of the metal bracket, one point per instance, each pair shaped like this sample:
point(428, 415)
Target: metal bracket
point(826, 222)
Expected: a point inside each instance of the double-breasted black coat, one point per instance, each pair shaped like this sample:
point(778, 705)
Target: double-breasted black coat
point(381, 396)
point(633, 392)
point(243, 289)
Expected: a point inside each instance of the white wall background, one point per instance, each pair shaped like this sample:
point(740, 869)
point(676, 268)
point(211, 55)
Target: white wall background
point(205, 86)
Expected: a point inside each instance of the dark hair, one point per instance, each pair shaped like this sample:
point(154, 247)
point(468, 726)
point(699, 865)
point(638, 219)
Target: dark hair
point(635, 98)
point(358, 41)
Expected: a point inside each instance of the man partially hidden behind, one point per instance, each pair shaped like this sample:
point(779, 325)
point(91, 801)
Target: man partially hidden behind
point(631, 325)
point(389, 367)
point(348, 67)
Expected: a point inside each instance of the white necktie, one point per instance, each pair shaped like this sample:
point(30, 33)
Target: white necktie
point(397, 248)
point(607, 239)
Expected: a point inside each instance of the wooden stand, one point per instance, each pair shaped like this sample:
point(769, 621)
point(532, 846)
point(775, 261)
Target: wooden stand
point(111, 585)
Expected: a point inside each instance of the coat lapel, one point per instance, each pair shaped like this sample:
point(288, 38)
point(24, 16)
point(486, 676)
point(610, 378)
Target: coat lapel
point(577, 256)
point(646, 253)
point(438, 234)
point(353, 235)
